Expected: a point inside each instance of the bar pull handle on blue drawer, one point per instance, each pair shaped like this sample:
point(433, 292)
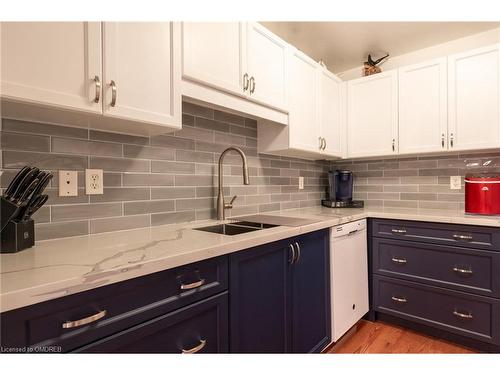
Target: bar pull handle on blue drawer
point(399, 299)
point(460, 315)
point(196, 349)
point(398, 231)
point(87, 320)
point(462, 237)
point(462, 271)
point(399, 260)
point(194, 285)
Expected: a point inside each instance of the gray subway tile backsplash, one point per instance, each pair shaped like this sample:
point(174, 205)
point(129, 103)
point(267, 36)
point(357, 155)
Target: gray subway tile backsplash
point(156, 180)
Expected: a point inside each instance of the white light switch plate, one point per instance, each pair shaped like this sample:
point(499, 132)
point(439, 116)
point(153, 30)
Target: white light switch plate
point(301, 183)
point(68, 183)
point(455, 182)
point(94, 182)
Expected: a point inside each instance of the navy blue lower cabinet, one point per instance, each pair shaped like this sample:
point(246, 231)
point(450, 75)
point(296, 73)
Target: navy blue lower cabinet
point(260, 303)
point(279, 296)
point(198, 328)
point(311, 318)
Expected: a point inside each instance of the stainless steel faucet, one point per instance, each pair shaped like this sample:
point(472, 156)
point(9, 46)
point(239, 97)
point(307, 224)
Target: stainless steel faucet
point(221, 204)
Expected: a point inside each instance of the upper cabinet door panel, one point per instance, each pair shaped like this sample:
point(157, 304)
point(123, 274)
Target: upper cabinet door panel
point(143, 60)
point(303, 117)
point(52, 63)
point(423, 116)
point(372, 118)
point(474, 99)
point(266, 64)
point(213, 54)
point(330, 112)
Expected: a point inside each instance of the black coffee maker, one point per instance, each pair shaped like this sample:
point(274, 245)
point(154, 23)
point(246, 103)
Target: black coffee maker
point(340, 184)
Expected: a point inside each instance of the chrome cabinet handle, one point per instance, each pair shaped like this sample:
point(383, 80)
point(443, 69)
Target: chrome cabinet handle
point(324, 143)
point(393, 145)
point(451, 140)
point(97, 96)
point(398, 299)
point(462, 271)
point(194, 285)
point(462, 315)
point(113, 93)
point(252, 85)
point(291, 261)
point(298, 252)
point(463, 237)
point(398, 231)
point(196, 349)
point(399, 260)
point(442, 140)
point(245, 82)
point(87, 320)
point(320, 143)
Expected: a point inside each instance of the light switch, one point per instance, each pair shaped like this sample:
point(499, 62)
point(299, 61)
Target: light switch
point(455, 182)
point(68, 183)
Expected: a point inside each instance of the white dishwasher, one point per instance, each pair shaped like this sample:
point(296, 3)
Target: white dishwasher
point(349, 276)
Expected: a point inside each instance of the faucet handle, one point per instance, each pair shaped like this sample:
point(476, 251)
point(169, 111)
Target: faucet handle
point(230, 204)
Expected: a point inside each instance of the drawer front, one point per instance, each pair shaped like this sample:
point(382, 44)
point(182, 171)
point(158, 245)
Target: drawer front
point(451, 267)
point(198, 328)
point(474, 237)
point(84, 317)
point(473, 316)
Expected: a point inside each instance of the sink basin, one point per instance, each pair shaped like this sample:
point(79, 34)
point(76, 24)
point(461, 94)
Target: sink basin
point(238, 227)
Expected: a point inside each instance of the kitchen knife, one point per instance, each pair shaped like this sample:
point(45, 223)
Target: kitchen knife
point(15, 181)
point(26, 194)
point(39, 202)
point(23, 185)
point(44, 178)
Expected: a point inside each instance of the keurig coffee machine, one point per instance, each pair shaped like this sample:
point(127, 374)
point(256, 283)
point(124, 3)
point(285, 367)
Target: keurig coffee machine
point(340, 184)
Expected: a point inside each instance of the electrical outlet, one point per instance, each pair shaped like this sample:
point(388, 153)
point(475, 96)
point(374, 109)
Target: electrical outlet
point(94, 182)
point(455, 182)
point(301, 183)
point(68, 183)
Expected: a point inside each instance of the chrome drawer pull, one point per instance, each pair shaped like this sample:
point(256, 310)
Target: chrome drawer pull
point(398, 231)
point(194, 285)
point(463, 237)
point(399, 300)
point(196, 349)
point(463, 271)
point(87, 320)
point(113, 93)
point(291, 261)
point(97, 82)
point(462, 316)
point(399, 260)
point(298, 252)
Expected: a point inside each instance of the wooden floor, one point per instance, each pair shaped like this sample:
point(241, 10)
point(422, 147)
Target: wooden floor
point(384, 338)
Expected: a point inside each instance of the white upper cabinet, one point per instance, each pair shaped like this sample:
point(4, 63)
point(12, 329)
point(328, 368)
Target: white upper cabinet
point(330, 112)
point(213, 54)
point(474, 99)
point(266, 66)
point(52, 63)
point(303, 118)
point(372, 115)
point(142, 72)
point(423, 116)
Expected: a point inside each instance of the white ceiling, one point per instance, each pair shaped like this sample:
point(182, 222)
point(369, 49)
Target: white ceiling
point(345, 45)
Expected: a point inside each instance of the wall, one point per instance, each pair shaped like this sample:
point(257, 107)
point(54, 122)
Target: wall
point(455, 46)
point(422, 182)
point(158, 180)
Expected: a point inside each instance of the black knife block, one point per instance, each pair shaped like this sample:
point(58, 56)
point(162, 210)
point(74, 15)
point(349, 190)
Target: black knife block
point(15, 235)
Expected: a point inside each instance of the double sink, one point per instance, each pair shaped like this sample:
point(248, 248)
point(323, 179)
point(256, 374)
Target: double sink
point(238, 227)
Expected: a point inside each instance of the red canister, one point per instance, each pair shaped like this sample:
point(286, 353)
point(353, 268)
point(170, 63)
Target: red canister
point(482, 195)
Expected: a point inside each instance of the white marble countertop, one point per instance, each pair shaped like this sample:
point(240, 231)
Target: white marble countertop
point(56, 268)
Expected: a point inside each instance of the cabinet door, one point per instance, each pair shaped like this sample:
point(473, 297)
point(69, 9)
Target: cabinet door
point(423, 114)
point(260, 299)
point(143, 60)
point(330, 102)
point(372, 118)
point(311, 317)
point(303, 91)
point(213, 54)
point(474, 99)
point(197, 328)
point(52, 63)
point(266, 65)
